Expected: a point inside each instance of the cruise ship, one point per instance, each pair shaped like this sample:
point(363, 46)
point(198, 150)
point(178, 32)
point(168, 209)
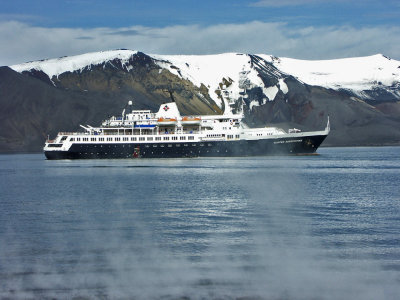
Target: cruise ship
point(166, 134)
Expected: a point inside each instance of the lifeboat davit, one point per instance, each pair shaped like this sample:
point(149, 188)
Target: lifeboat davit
point(191, 121)
point(166, 121)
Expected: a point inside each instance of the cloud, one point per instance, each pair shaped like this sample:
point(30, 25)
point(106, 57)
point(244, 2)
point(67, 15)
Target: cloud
point(136, 32)
point(127, 32)
point(22, 42)
point(84, 38)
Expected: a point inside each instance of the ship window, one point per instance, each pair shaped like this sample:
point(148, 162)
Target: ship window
point(169, 145)
point(182, 138)
point(125, 138)
point(158, 138)
point(78, 139)
point(93, 139)
point(177, 145)
point(72, 139)
point(155, 145)
point(85, 139)
point(149, 138)
point(133, 139)
point(101, 139)
point(190, 138)
point(64, 138)
point(109, 139)
point(166, 138)
point(174, 138)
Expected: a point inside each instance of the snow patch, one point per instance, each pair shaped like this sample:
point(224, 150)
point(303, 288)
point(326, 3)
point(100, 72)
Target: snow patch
point(271, 92)
point(283, 87)
point(253, 103)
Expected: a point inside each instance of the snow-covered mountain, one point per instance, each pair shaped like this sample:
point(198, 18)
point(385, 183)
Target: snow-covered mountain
point(227, 76)
point(361, 95)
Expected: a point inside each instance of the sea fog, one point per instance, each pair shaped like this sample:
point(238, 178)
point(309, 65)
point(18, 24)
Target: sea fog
point(319, 227)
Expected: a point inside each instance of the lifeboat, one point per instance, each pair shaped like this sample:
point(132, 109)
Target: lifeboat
point(191, 121)
point(166, 121)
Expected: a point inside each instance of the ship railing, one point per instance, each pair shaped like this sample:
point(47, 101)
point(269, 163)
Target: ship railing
point(127, 133)
point(72, 133)
point(136, 132)
point(179, 132)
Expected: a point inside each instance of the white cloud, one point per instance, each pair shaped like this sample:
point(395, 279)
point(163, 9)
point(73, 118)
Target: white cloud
point(21, 42)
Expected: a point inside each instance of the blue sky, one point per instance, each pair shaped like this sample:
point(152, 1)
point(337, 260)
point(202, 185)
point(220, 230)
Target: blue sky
point(305, 29)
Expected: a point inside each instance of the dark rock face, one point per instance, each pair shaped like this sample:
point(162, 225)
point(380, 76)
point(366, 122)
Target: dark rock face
point(39, 75)
point(140, 79)
point(30, 109)
point(32, 105)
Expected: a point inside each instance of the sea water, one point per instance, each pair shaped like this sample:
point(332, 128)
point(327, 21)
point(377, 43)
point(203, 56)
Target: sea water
point(301, 227)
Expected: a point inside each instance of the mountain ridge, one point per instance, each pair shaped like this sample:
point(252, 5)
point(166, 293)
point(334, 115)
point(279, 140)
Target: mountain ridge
point(355, 74)
point(101, 83)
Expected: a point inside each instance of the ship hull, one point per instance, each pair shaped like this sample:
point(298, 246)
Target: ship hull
point(301, 145)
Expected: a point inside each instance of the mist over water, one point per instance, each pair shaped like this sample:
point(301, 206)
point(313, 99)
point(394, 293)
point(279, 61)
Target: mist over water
point(324, 227)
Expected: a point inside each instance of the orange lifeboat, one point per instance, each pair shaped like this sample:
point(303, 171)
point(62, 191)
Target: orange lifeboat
point(166, 121)
point(191, 120)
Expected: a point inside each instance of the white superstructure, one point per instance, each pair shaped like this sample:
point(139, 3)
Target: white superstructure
point(167, 128)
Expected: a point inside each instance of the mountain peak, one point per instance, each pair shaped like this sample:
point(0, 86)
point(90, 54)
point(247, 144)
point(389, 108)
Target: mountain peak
point(359, 75)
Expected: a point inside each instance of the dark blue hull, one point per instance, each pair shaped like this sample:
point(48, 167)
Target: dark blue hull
point(282, 146)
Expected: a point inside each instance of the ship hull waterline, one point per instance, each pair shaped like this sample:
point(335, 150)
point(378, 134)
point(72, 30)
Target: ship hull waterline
point(304, 145)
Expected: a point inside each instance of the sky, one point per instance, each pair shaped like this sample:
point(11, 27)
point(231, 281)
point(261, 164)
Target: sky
point(302, 29)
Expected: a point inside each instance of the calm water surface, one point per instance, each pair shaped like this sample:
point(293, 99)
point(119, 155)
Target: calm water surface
point(322, 227)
